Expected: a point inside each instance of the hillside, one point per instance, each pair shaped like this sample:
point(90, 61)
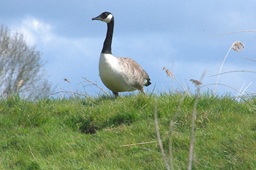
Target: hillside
point(106, 133)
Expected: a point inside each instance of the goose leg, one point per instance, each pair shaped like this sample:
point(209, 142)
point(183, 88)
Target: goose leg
point(142, 90)
point(115, 93)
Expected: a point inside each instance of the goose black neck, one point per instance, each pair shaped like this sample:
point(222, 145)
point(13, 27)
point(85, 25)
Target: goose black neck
point(108, 40)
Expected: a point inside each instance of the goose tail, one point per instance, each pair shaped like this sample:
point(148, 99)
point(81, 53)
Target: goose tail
point(147, 82)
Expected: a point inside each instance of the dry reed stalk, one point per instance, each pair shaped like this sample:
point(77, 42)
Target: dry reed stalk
point(218, 77)
point(235, 71)
point(159, 137)
point(236, 32)
point(31, 152)
point(192, 136)
point(242, 91)
point(236, 90)
point(170, 74)
point(249, 59)
point(141, 143)
point(236, 46)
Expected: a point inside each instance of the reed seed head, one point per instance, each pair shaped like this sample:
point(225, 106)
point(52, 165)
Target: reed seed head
point(237, 46)
point(196, 82)
point(168, 72)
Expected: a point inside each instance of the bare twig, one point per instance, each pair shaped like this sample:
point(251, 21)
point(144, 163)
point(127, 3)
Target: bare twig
point(96, 85)
point(159, 138)
point(68, 92)
point(71, 88)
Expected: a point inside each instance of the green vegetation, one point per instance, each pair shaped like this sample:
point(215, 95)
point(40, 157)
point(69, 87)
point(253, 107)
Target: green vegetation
point(106, 133)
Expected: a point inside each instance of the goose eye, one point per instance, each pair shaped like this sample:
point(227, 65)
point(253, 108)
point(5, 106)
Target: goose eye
point(104, 15)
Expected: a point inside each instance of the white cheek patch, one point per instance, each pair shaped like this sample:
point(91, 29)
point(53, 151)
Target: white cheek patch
point(108, 19)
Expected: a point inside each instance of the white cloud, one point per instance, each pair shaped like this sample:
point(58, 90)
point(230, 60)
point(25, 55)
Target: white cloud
point(34, 30)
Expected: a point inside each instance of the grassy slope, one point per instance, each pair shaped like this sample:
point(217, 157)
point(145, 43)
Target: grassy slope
point(90, 133)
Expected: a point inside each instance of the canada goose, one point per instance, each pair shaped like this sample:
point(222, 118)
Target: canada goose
point(119, 74)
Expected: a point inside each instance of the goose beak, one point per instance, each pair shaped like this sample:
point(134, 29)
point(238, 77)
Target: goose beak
point(97, 18)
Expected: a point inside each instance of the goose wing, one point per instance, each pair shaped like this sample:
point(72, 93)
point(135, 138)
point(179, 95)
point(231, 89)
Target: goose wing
point(134, 73)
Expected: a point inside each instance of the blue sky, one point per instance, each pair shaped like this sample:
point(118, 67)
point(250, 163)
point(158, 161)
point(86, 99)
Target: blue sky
point(180, 35)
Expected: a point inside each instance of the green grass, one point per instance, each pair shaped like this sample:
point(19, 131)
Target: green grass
point(98, 133)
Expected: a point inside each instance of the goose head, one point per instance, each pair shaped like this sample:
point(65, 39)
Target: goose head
point(105, 17)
